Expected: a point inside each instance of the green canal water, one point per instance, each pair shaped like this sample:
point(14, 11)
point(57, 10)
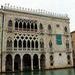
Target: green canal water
point(47, 72)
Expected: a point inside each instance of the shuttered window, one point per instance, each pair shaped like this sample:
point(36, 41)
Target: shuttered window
point(58, 39)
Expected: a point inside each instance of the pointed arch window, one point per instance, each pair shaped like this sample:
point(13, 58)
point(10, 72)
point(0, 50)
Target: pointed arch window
point(36, 44)
point(28, 26)
point(28, 44)
point(41, 26)
point(24, 26)
point(9, 43)
point(49, 27)
point(50, 44)
point(32, 26)
point(20, 26)
point(32, 44)
point(67, 44)
point(69, 59)
point(15, 43)
point(65, 29)
point(20, 43)
point(10, 25)
point(41, 43)
point(51, 58)
point(16, 25)
point(24, 44)
point(35, 26)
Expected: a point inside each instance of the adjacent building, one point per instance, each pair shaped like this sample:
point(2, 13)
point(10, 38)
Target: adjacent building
point(73, 45)
point(31, 40)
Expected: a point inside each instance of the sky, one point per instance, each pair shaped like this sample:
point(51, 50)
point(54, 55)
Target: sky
point(56, 6)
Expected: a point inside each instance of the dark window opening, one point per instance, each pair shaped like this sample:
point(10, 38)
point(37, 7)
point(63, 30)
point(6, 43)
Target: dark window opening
point(20, 26)
point(49, 27)
point(20, 43)
point(57, 25)
point(69, 62)
point(28, 44)
point(41, 26)
point(60, 54)
point(68, 57)
point(65, 29)
point(24, 26)
point(51, 64)
point(26, 62)
point(9, 43)
point(35, 62)
point(32, 26)
point(28, 26)
point(51, 58)
point(32, 44)
point(15, 43)
point(67, 45)
point(10, 26)
point(36, 44)
point(24, 44)
point(35, 27)
point(8, 63)
point(10, 23)
point(41, 44)
point(50, 44)
point(16, 25)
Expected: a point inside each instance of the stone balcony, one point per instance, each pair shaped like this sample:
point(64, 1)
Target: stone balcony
point(28, 50)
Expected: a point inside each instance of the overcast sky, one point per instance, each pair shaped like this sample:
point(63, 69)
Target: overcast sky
point(57, 6)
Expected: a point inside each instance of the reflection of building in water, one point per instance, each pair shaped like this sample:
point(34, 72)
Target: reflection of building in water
point(32, 40)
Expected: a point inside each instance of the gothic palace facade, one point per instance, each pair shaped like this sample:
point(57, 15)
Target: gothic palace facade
point(33, 40)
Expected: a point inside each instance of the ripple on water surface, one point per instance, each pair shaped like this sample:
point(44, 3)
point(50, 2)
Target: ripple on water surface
point(47, 72)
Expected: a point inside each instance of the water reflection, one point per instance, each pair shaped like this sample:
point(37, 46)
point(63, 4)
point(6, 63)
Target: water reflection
point(49, 72)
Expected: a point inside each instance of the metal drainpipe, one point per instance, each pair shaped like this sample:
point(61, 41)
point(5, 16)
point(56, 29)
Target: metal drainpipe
point(2, 36)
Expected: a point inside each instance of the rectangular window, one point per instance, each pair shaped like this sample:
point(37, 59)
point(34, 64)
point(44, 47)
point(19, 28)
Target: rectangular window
point(58, 39)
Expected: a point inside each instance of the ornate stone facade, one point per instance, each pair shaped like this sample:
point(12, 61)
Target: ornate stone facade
point(30, 41)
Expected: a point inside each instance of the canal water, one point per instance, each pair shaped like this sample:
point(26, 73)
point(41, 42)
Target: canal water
point(47, 72)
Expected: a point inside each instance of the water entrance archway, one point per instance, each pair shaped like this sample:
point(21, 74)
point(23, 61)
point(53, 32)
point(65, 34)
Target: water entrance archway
point(17, 63)
point(42, 61)
point(26, 62)
point(35, 62)
point(8, 63)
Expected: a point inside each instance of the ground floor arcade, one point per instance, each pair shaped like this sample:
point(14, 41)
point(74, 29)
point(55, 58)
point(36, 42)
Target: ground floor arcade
point(22, 61)
point(27, 62)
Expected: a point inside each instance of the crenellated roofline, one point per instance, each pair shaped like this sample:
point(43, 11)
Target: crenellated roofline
point(38, 12)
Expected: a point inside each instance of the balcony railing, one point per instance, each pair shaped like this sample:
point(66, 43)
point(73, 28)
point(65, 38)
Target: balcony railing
point(26, 30)
point(9, 48)
point(15, 48)
point(10, 29)
point(25, 49)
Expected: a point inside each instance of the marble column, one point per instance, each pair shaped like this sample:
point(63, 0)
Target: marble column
point(13, 63)
point(39, 63)
point(32, 63)
point(21, 64)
